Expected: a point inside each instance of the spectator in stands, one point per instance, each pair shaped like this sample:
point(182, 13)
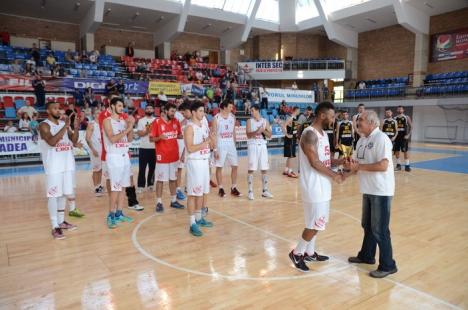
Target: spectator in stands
point(69, 56)
point(84, 56)
point(59, 71)
point(199, 75)
point(129, 51)
point(51, 63)
point(362, 85)
point(283, 109)
point(162, 98)
point(87, 111)
point(121, 88)
point(102, 50)
point(128, 103)
point(111, 88)
point(35, 55)
point(264, 102)
point(39, 89)
point(241, 76)
point(24, 122)
point(294, 85)
point(33, 126)
point(10, 127)
point(247, 106)
point(30, 67)
point(89, 97)
point(26, 109)
point(94, 56)
point(16, 67)
point(77, 57)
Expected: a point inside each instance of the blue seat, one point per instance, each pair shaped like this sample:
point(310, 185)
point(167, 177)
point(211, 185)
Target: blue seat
point(19, 103)
point(10, 112)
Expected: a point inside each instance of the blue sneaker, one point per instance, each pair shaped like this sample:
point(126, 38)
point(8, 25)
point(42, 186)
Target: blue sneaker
point(177, 205)
point(204, 223)
point(111, 222)
point(123, 218)
point(180, 195)
point(159, 207)
point(195, 230)
point(204, 211)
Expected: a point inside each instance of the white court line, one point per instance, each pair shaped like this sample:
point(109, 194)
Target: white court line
point(279, 278)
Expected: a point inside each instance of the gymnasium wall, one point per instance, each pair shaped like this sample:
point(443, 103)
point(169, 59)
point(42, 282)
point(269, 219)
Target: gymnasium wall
point(189, 42)
point(120, 38)
point(385, 52)
point(445, 23)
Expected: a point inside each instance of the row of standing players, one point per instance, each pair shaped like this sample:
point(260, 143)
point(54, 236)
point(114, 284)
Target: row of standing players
point(343, 134)
point(189, 143)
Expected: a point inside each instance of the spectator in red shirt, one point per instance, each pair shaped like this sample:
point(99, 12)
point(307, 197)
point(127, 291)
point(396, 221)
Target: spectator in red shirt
point(164, 133)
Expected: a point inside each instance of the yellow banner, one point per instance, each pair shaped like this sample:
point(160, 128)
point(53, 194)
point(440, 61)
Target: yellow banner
point(171, 89)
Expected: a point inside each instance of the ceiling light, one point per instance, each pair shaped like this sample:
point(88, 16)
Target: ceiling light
point(160, 19)
point(371, 20)
point(207, 26)
point(77, 6)
point(108, 11)
point(43, 4)
point(428, 5)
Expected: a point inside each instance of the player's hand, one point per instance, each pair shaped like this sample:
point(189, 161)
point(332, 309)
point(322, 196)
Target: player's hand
point(354, 166)
point(79, 145)
point(76, 122)
point(216, 155)
point(163, 137)
point(130, 121)
point(95, 153)
point(338, 178)
point(66, 119)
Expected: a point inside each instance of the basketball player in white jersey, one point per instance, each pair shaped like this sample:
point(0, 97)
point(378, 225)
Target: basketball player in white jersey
point(224, 126)
point(56, 141)
point(198, 144)
point(118, 134)
point(93, 139)
point(183, 115)
point(315, 180)
point(258, 130)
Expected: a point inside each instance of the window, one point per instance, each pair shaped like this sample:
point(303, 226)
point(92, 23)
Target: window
point(268, 10)
point(335, 5)
point(236, 6)
point(305, 9)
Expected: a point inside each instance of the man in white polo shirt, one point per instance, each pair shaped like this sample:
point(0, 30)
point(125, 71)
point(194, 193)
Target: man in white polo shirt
point(372, 161)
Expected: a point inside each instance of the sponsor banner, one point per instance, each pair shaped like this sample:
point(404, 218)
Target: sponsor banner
point(290, 95)
point(261, 66)
point(198, 90)
point(448, 46)
point(24, 83)
point(99, 85)
point(187, 88)
point(170, 89)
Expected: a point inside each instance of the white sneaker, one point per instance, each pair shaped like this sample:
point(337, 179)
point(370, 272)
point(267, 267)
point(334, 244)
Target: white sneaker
point(136, 208)
point(139, 190)
point(150, 188)
point(267, 194)
point(250, 196)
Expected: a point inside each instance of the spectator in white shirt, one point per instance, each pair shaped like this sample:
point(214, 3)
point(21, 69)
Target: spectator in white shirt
point(10, 127)
point(162, 98)
point(24, 122)
point(294, 85)
point(30, 110)
point(372, 160)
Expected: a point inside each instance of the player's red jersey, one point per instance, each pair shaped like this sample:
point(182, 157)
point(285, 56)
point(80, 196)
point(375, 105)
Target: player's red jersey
point(167, 151)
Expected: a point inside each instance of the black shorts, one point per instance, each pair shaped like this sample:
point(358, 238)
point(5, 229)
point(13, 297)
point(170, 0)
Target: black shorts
point(289, 148)
point(356, 139)
point(400, 144)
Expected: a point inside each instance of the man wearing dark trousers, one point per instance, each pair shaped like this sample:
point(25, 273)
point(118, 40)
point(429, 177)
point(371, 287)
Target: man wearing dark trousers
point(372, 160)
point(146, 153)
point(39, 89)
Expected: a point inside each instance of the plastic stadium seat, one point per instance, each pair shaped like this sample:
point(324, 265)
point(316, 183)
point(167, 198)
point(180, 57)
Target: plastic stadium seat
point(19, 103)
point(70, 100)
point(8, 102)
point(60, 100)
point(10, 112)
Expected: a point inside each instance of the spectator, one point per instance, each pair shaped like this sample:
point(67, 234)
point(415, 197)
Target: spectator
point(162, 98)
point(24, 122)
point(84, 56)
point(35, 55)
point(241, 76)
point(128, 103)
point(294, 85)
point(30, 67)
point(111, 88)
point(264, 102)
point(121, 88)
point(59, 71)
point(77, 57)
point(87, 111)
point(94, 56)
point(26, 109)
point(10, 127)
point(283, 109)
point(69, 56)
point(51, 63)
point(362, 85)
point(129, 51)
point(33, 126)
point(102, 50)
point(199, 76)
point(16, 67)
point(89, 97)
point(39, 89)
point(247, 106)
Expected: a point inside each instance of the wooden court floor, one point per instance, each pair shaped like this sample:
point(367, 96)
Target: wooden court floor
point(242, 262)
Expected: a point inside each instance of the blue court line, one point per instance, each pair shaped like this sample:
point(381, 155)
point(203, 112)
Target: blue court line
point(438, 151)
point(458, 164)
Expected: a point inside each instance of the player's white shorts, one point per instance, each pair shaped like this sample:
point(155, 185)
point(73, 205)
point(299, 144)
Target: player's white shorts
point(96, 163)
point(258, 157)
point(198, 177)
point(166, 171)
point(105, 171)
point(60, 184)
point(316, 214)
point(227, 153)
point(181, 144)
point(119, 170)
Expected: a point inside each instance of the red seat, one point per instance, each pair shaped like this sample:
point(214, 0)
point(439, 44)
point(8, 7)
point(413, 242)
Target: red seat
point(19, 98)
point(70, 100)
point(50, 99)
point(8, 102)
point(136, 103)
point(30, 100)
point(157, 111)
point(60, 100)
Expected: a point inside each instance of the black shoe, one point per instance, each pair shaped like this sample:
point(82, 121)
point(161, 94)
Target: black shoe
point(298, 261)
point(235, 192)
point(159, 207)
point(177, 205)
point(407, 168)
point(357, 260)
point(382, 274)
point(221, 193)
point(315, 257)
point(398, 167)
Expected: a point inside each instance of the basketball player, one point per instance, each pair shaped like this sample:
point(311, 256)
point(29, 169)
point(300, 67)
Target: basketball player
point(361, 108)
point(401, 142)
point(133, 203)
point(315, 179)
point(224, 126)
point(56, 141)
point(290, 127)
point(344, 136)
point(183, 116)
point(93, 139)
point(258, 130)
point(164, 133)
point(118, 134)
point(198, 143)
point(390, 126)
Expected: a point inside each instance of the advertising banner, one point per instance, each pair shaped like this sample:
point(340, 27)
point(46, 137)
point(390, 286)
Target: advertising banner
point(290, 95)
point(24, 83)
point(171, 89)
point(99, 85)
point(261, 66)
point(448, 46)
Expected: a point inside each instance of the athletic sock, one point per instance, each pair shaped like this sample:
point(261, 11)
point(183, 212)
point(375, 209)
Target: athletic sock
point(398, 161)
point(301, 247)
point(159, 200)
point(407, 162)
point(52, 205)
point(177, 189)
point(250, 182)
point(61, 202)
point(265, 182)
point(198, 215)
point(311, 246)
point(192, 219)
point(173, 198)
point(71, 203)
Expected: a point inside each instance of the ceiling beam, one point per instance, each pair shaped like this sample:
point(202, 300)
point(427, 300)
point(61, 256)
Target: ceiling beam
point(93, 18)
point(411, 18)
point(174, 27)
